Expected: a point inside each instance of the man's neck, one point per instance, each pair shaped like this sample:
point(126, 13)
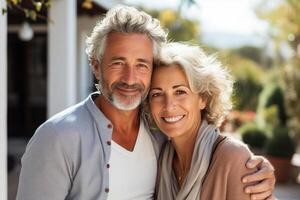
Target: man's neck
point(125, 123)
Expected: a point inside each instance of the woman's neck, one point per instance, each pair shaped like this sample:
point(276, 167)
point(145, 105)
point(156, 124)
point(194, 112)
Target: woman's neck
point(184, 148)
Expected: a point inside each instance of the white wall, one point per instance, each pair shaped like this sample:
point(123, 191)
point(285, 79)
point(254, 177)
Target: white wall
point(62, 69)
point(85, 26)
point(3, 104)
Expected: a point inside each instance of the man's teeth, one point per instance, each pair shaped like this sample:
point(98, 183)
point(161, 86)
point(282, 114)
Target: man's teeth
point(173, 119)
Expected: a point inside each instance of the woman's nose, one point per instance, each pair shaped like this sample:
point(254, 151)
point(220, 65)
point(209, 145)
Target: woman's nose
point(170, 103)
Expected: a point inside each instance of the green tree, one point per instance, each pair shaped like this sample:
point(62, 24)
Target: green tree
point(284, 20)
point(180, 28)
point(255, 54)
point(248, 77)
point(34, 9)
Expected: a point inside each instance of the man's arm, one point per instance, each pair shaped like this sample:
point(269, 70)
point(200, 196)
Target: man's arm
point(45, 172)
point(263, 179)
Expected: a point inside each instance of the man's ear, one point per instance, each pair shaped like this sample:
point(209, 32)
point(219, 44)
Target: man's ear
point(95, 66)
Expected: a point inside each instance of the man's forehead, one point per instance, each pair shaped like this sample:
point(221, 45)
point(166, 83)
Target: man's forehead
point(127, 36)
point(129, 45)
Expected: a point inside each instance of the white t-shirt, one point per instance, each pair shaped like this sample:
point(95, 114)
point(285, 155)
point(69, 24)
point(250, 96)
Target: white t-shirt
point(132, 175)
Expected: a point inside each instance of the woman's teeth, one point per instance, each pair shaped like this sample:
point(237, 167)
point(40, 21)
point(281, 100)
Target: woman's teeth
point(173, 119)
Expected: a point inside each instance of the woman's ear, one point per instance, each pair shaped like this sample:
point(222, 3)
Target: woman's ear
point(202, 102)
point(95, 66)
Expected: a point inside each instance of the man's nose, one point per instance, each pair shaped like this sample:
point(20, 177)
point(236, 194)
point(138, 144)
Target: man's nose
point(129, 75)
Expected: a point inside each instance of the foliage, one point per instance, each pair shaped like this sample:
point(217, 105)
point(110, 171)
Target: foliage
point(180, 29)
point(271, 100)
point(271, 117)
point(248, 80)
point(284, 20)
point(237, 118)
point(32, 9)
point(253, 135)
point(253, 53)
point(292, 94)
point(280, 144)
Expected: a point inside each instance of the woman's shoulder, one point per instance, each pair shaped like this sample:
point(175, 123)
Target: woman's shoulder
point(232, 150)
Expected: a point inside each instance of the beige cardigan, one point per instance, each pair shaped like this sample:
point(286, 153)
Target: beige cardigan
point(224, 175)
point(223, 178)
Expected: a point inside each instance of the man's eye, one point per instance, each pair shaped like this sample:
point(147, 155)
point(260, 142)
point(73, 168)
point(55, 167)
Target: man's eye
point(117, 64)
point(141, 65)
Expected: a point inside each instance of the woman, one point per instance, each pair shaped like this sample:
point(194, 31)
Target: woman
point(189, 98)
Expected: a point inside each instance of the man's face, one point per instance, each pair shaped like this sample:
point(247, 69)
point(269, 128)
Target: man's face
point(125, 72)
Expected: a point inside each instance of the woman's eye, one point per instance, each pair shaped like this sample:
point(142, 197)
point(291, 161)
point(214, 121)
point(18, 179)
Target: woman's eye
point(155, 95)
point(180, 92)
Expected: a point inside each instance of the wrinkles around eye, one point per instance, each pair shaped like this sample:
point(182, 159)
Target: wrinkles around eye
point(117, 64)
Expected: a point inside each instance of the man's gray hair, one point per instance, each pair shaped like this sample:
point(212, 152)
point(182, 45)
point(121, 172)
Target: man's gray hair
point(206, 76)
point(124, 19)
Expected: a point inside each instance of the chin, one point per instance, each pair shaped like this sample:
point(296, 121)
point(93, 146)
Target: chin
point(171, 134)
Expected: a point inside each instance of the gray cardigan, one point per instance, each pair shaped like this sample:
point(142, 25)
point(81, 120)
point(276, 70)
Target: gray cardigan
point(68, 155)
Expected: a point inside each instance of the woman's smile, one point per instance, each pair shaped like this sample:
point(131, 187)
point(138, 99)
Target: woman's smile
point(173, 119)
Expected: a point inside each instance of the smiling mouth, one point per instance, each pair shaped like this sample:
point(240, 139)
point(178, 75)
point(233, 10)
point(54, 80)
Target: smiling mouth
point(173, 119)
point(128, 91)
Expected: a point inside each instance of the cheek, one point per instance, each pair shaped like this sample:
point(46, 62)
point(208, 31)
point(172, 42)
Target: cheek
point(154, 109)
point(191, 106)
point(145, 78)
point(111, 76)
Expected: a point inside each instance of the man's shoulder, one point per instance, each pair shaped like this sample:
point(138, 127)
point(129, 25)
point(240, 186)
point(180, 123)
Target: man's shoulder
point(69, 121)
point(69, 115)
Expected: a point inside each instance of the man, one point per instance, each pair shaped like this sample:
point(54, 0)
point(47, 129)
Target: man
point(101, 148)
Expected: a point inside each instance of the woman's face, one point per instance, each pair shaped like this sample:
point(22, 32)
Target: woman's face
point(174, 107)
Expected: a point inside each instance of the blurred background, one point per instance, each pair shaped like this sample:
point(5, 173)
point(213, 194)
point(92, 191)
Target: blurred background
point(258, 40)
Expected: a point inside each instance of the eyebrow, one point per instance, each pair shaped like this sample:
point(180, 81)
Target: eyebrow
point(124, 59)
point(118, 58)
point(174, 87)
point(155, 89)
point(144, 60)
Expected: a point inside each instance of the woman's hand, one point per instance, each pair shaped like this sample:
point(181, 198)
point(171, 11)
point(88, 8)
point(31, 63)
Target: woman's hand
point(264, 179)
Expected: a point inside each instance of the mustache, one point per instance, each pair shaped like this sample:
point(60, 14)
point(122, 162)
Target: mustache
point(124, 85)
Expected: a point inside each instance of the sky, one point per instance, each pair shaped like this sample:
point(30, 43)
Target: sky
point(224, 23)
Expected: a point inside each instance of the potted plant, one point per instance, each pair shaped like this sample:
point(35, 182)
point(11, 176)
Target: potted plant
point(279, 149)
point(254, 137)
point(272, 117)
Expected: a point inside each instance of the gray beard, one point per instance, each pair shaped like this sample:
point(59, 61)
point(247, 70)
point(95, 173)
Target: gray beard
point(115, 100)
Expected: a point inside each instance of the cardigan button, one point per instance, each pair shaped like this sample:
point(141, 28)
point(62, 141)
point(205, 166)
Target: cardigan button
point(107, 166)
point(108, 143)
point(109, 126)
point(106, 190)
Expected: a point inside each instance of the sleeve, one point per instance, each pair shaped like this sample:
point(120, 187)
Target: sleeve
point(224, 177)
point(45, 171)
